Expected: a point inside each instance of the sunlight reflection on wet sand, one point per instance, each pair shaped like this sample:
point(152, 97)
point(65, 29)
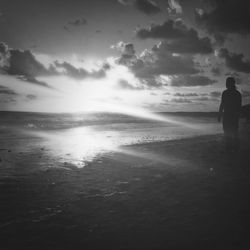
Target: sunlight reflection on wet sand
point(77, 145)
point(81, 145)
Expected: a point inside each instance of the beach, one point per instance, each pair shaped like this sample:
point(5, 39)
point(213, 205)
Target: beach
point(175, 193)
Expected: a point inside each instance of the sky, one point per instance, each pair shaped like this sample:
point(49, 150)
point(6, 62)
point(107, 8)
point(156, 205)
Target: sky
point(122, 55)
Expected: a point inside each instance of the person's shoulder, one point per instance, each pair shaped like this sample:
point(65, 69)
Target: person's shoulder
point(224, 92)
point(238, 92)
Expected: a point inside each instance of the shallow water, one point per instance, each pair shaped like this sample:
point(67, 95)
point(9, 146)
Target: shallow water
point(81, 138)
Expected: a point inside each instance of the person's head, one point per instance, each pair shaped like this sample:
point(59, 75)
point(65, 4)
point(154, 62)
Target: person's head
point(230, 83)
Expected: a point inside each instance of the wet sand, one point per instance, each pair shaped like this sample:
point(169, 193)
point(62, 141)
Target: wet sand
point(182, 194)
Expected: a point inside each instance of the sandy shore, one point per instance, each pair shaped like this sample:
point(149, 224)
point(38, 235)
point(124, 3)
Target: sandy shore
point(183, 194)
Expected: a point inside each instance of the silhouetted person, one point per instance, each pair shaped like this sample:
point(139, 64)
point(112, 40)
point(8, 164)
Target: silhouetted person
point(229, 110)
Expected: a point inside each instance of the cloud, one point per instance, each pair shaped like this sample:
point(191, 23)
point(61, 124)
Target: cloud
point(23, 65)
point(178, 69)
point(75, 23)
point(168, 30)
point(151, 64)
point(225, 17)
point(200, 96)
point(35, 81)
point(235, 61)
point(158, 61)
point(190, 44)
point(202, 99)
point(215, 94)
point(185, 94)
point(78, 22)
point(124, 48)
point(174, 7)
point(191, 80)
point(124, 84)
point(81, 73)
point(195, 97)
point(147, 6)
point(245, 93)
point(6, 91)
point(181, 100)
point(31, 97)
point(4, 55)
point(177, 38)
point(65, 27)
point(128, 55)
point(21, 62)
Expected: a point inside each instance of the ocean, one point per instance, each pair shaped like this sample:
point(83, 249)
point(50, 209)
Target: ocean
point(81, 137)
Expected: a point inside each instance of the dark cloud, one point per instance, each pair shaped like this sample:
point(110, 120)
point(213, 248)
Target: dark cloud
point(189, 45)
point(71, 71)
point(31, 97)
point(168, 65)
point(245, 93)
point(124, 48)
point(158, 61)
point(6, 91)
point(155, 62)
point(193, 97)
point(225, 16)
point(185, 94)
point(123, 84)
point(168, 30)
point(181, 69)
point(128, 56)
point(23, 64)
point(26, 67)
point(3, 48)
point(65, 27)
point(78, 22)
point(35, 81)
point(4, 55)
point(147, 6)
point(235, 61)
point(191, 80)
point(202, 99)
point(178, 38)
point(75, 23)
point(215, 94)
point(81, 73)
point(181, 100)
